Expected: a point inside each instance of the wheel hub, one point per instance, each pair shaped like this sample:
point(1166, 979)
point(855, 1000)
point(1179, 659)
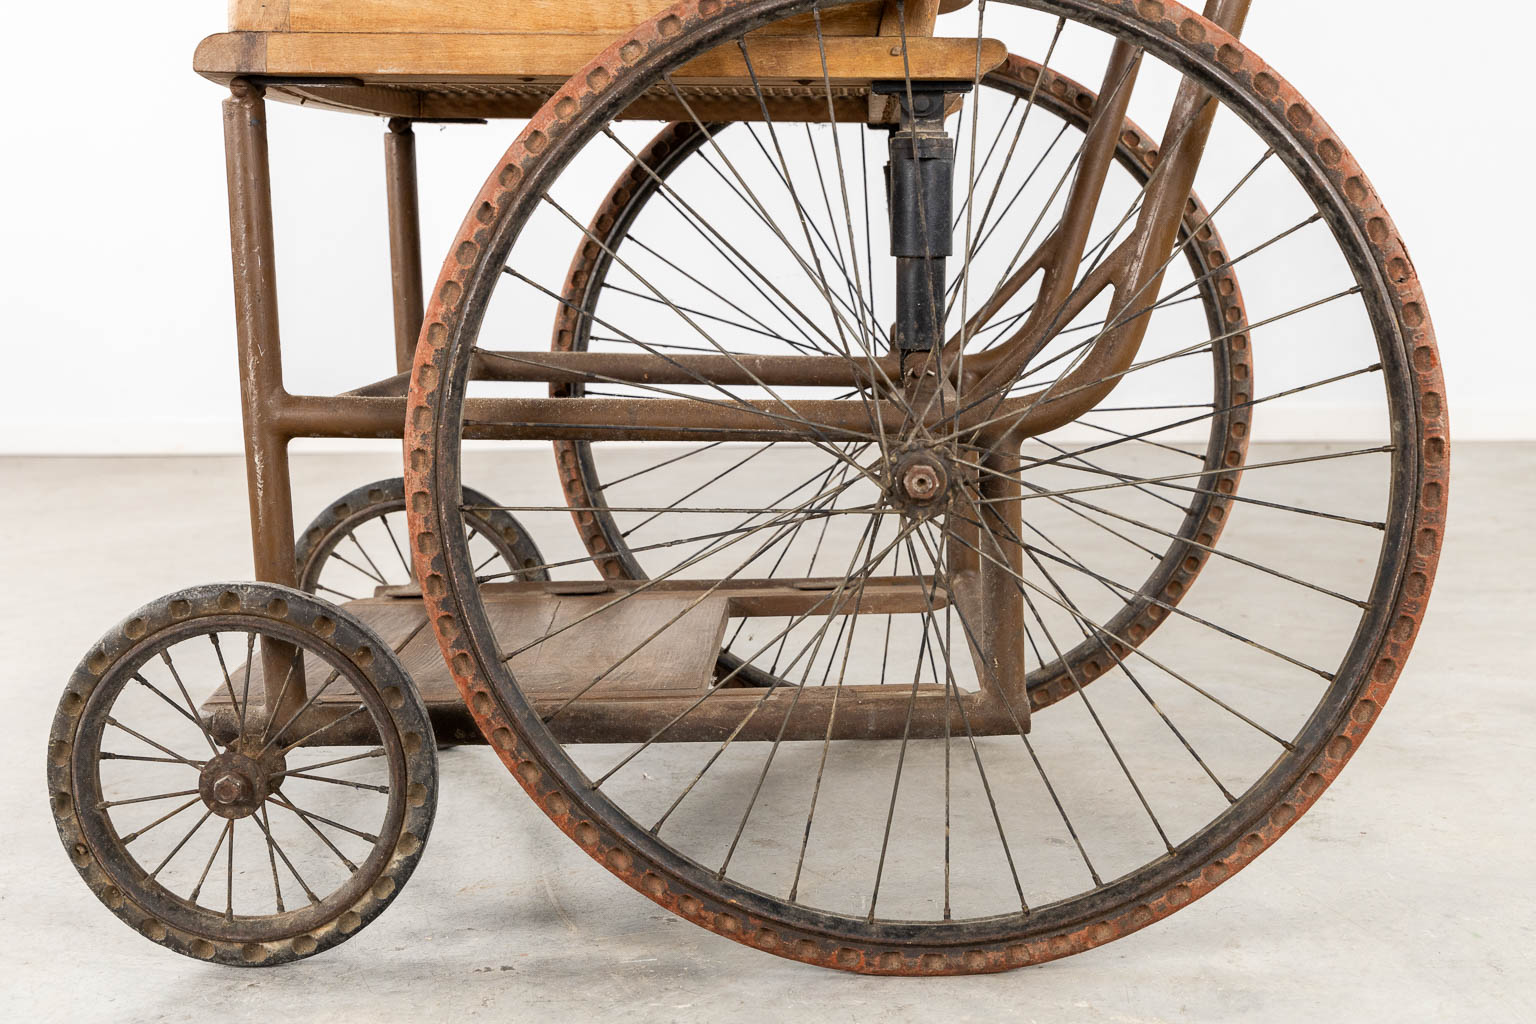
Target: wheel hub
point(234, 785)
point(920, 480)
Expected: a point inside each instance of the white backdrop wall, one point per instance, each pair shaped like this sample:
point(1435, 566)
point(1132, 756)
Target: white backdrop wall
point(114, 270)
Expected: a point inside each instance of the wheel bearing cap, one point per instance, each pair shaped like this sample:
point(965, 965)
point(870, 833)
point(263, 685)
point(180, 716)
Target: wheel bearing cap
point(919, 481)
point(233, 785)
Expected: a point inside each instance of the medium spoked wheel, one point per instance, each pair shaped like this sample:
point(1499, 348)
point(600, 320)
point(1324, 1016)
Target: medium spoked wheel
point(222, 831)
point(637, 230)
point(887, 803)
point(359, 543)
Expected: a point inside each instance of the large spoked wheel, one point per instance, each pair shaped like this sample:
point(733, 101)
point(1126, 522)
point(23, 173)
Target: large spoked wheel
point(358, 544)
point(592, 473)
point(958, 835)
point(216, 829)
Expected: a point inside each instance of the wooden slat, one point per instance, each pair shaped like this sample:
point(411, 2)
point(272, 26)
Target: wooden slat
point(382, 58)
point(908, 17)
point(259, 15)
point(534, 17)
point(439, 102)
point(668, 642)
point(665, 641)
point(531, 16)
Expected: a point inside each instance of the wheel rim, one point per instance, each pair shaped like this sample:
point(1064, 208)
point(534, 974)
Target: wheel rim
point(264, 847)
point(1412, 528)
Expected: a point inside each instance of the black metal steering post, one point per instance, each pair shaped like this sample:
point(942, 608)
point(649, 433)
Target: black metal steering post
point(919, 182)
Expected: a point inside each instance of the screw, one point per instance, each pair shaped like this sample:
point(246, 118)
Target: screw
point(228, 789)
point(920, 482)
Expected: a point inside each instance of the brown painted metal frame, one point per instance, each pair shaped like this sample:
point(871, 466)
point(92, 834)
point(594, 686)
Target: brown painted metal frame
point(273, 417)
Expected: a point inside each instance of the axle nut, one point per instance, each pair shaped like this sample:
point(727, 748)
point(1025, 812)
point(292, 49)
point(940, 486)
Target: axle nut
point(921, 482)
point(229, 789)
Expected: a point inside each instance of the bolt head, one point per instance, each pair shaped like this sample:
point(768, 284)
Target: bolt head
point(228, 789)
point(920, 482)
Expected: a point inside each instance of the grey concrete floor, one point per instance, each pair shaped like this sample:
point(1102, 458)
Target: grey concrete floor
point(1405, 894)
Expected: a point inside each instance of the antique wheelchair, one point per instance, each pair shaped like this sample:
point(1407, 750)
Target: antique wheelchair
point(961, 587)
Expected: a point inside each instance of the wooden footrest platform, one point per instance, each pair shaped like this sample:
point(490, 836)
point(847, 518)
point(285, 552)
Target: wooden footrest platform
point(611, 670)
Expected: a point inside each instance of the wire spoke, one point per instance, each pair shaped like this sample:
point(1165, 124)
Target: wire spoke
point(273, 846)
point(405, 563)
point(308, 816)
point(1021, 583)
point(228, 683)
point(337, 782)
point(1108, 648)
point(375, 752)
point(138, 678)
point(130, 837)
point(277, 887)
point(165, 656)
point(103, 805)
point(952, 691)
point(158, 746)
point(218, 845)
point(184, 839)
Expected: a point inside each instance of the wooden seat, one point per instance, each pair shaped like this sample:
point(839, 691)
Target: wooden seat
point(452, 59)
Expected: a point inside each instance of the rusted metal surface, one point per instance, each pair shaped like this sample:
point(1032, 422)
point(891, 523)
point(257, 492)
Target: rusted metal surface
point(1206, 253)
point(404, 237)
point(1418, 506)
point(560, 367)
point(247, 777)
point(252, 252)
point(374, 501)
point(527, 729)
point(863, 712)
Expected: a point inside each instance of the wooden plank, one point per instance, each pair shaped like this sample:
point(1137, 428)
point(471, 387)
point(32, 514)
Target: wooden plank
point(785, 104)
point(534, 17)
point(387, 58)
point(530, 16)
point(661, 642)
point(602, 645)
point(908, 17)
point(259, 15)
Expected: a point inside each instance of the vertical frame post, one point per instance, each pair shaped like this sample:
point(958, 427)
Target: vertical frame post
point(251, 250)
point(1000, 569)
point(404, 238)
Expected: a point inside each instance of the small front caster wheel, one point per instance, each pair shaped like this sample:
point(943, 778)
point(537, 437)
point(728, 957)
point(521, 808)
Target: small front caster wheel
point(221, 830)
point(359, 544)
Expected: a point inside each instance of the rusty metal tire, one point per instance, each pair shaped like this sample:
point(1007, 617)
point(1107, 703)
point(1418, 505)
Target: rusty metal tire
point(1227, 446)
point(91, 837)
point(1413, 531)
